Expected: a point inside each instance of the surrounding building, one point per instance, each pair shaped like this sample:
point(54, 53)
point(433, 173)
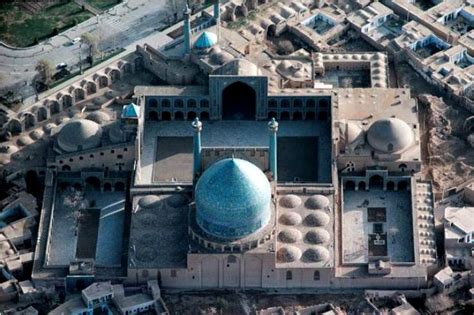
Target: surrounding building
point(111, 299)
point(448, 19)
point(448, 281)
point(458, 237)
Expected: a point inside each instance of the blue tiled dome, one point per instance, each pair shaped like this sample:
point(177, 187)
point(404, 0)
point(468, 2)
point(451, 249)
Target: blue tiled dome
point(232, 199)
point(205, 40)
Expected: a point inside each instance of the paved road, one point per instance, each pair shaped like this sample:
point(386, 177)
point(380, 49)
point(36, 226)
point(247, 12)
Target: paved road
point(118, 27)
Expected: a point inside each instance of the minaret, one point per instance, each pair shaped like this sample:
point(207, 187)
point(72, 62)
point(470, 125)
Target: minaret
point(217, 17)
point(197, 126)
point(272, 159)
point(217, 9)
point(187, 30)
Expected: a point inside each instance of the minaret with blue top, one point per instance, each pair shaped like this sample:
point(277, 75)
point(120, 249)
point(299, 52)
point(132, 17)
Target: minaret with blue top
point(217, 10)
point(273, 128)
point(187, 30)
point(197, 126)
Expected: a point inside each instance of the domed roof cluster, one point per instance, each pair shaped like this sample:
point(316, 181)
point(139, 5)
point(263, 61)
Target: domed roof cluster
point(304, 230)
point(379, 71)
point(232, 199)
point(80, 134)
point(206, 40)
point(390, 135)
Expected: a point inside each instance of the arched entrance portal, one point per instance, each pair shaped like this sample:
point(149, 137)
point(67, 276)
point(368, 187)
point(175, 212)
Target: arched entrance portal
point(376, 182)
point(239, 102)
point(93, 183)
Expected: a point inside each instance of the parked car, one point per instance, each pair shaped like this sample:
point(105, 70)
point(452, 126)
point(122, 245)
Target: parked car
point(75, 40)
point(61, 66)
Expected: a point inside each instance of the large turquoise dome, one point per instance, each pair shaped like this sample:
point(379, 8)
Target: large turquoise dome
point(232, 199)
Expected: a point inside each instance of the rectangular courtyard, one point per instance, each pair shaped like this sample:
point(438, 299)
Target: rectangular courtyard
point(377, 223)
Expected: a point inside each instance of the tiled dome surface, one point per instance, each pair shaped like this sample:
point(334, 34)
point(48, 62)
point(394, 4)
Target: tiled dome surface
point(232, 199)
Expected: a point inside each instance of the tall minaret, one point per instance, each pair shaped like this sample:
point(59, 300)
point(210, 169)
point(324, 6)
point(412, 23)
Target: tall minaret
point(197, 126)
point(217, 17)
point(272, 159)
point(187, 30)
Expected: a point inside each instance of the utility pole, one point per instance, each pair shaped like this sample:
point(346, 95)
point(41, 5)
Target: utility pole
point(80, 58)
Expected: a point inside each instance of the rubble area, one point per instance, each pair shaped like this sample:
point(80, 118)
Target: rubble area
point(250, 303)
point(450, 156)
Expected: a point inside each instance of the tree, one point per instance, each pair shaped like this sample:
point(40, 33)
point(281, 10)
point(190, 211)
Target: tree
point(176, 7)
point(45, 72)
point(93, 43)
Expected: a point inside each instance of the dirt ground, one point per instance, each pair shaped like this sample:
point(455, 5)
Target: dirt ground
point(448, 158)
point(249, 303)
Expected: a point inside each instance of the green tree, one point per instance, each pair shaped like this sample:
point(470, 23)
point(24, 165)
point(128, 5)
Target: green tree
point(45, 72)
point(93, 43)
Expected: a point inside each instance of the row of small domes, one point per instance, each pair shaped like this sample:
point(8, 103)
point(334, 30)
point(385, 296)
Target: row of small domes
point(314, 236)
point(314, 202)
point(289, 253)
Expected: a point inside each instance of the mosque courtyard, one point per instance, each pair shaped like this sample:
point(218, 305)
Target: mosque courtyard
point(81, 225)
point(374, 215)
point(303, 154)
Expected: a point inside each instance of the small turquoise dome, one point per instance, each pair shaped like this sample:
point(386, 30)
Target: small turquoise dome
point(232, 199)
point(206, 40)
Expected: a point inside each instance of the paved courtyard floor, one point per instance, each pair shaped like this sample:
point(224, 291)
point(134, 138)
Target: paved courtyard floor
point(304, 147)
point(356, 226)
point(63, 241)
